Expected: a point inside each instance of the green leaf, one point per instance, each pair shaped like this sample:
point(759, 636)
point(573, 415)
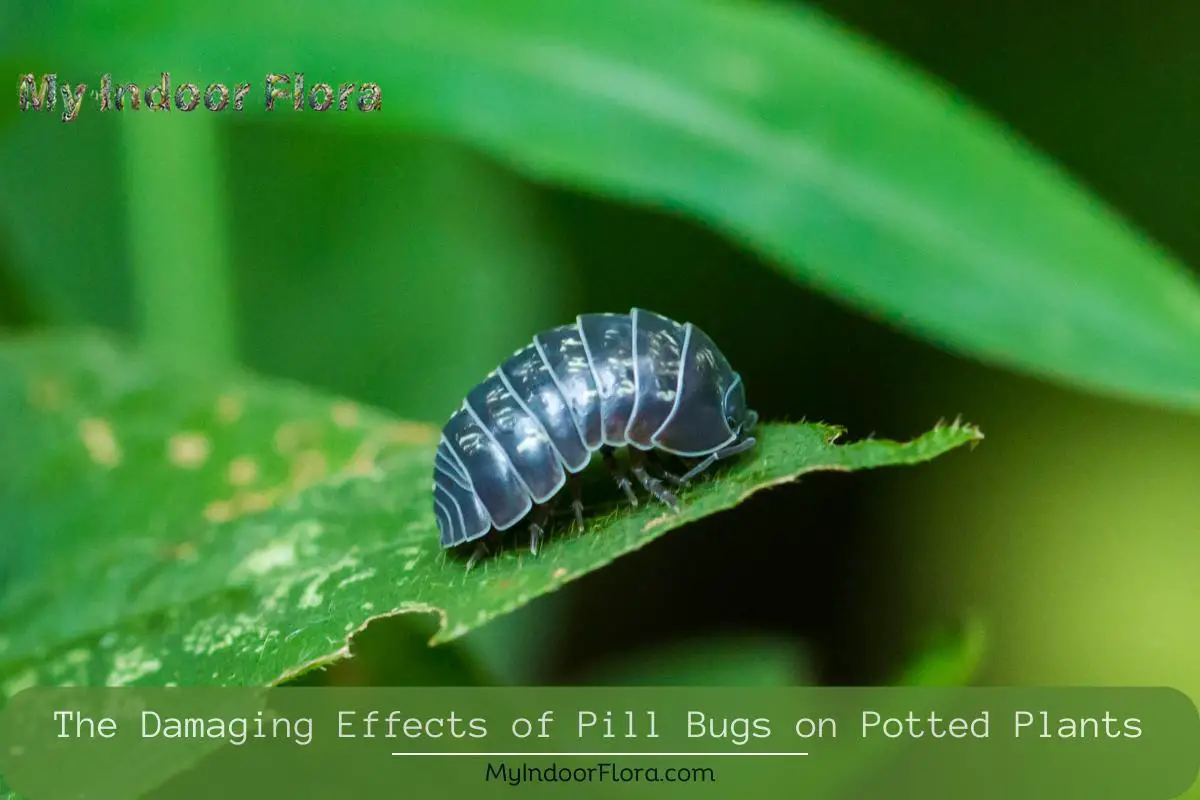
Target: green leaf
point(173, 526)
point(416, 290)
point(395, 651)
point(851, 171)
point(950, 658)
point(740, 660)
point(185, 299)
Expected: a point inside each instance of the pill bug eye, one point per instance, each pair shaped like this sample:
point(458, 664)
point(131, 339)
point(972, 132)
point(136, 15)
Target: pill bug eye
point(640, 381)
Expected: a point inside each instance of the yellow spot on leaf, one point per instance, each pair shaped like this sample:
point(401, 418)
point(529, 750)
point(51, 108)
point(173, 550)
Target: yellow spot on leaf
point(345, 414)
point(410, 433)
point(188, 450)
point(561, 572)
point(218, 511)
point(360, 466)
point(364, 461)
point(101, 443)
point(243, 503)
point(252, 502)
point(229, 408)
point(287, 438)
point(308, 468)
point(184, 551)
point(243, 471)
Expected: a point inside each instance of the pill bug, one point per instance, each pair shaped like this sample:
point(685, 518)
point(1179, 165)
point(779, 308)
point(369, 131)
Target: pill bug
point(603, 382)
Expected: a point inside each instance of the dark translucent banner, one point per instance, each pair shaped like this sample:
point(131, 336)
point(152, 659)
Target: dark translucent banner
point(893, 743)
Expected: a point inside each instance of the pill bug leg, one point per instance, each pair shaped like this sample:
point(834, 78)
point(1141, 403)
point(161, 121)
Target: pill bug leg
point(577, 500)
point(481, 550)
point(618, 474)
point(537, 520)
point(651, 484)
point(492, 541)
point(733, 450)
point(654, 459)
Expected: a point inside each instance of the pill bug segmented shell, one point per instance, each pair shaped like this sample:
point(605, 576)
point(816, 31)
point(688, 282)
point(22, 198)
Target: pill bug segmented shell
point(636, 380)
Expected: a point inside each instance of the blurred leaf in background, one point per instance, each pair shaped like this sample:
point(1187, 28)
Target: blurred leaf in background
point(732, 660)
point(850, 171)
point(712, 161)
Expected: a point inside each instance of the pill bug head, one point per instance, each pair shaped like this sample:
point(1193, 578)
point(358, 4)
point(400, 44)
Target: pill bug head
point(710, 415)
point(740, 419)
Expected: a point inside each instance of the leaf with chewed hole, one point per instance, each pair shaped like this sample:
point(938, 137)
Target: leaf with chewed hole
point(167, 526)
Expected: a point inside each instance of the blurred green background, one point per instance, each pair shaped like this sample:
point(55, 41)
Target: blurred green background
point(398, 267)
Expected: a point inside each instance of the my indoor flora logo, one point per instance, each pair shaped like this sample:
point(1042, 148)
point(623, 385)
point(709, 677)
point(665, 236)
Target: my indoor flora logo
point(44, 95)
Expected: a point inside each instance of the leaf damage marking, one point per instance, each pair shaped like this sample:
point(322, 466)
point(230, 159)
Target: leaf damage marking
point(242, 472)
point(404, 432)
point(291, 436)
point(276, 555)
point(132, 665)
point(365, 459)
point(181, 551)
point(20, 682)
point(101, 443)
point(218, 511)
point(229, 408)
point(189, 449)
point(70, 669)
point(308, 467)
point(253, 502)
point(343, 651)
point(281, 553)
point(344, 414)
point(299, 440)
point(366, 574)
point(312, 596)
point(221, 632)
